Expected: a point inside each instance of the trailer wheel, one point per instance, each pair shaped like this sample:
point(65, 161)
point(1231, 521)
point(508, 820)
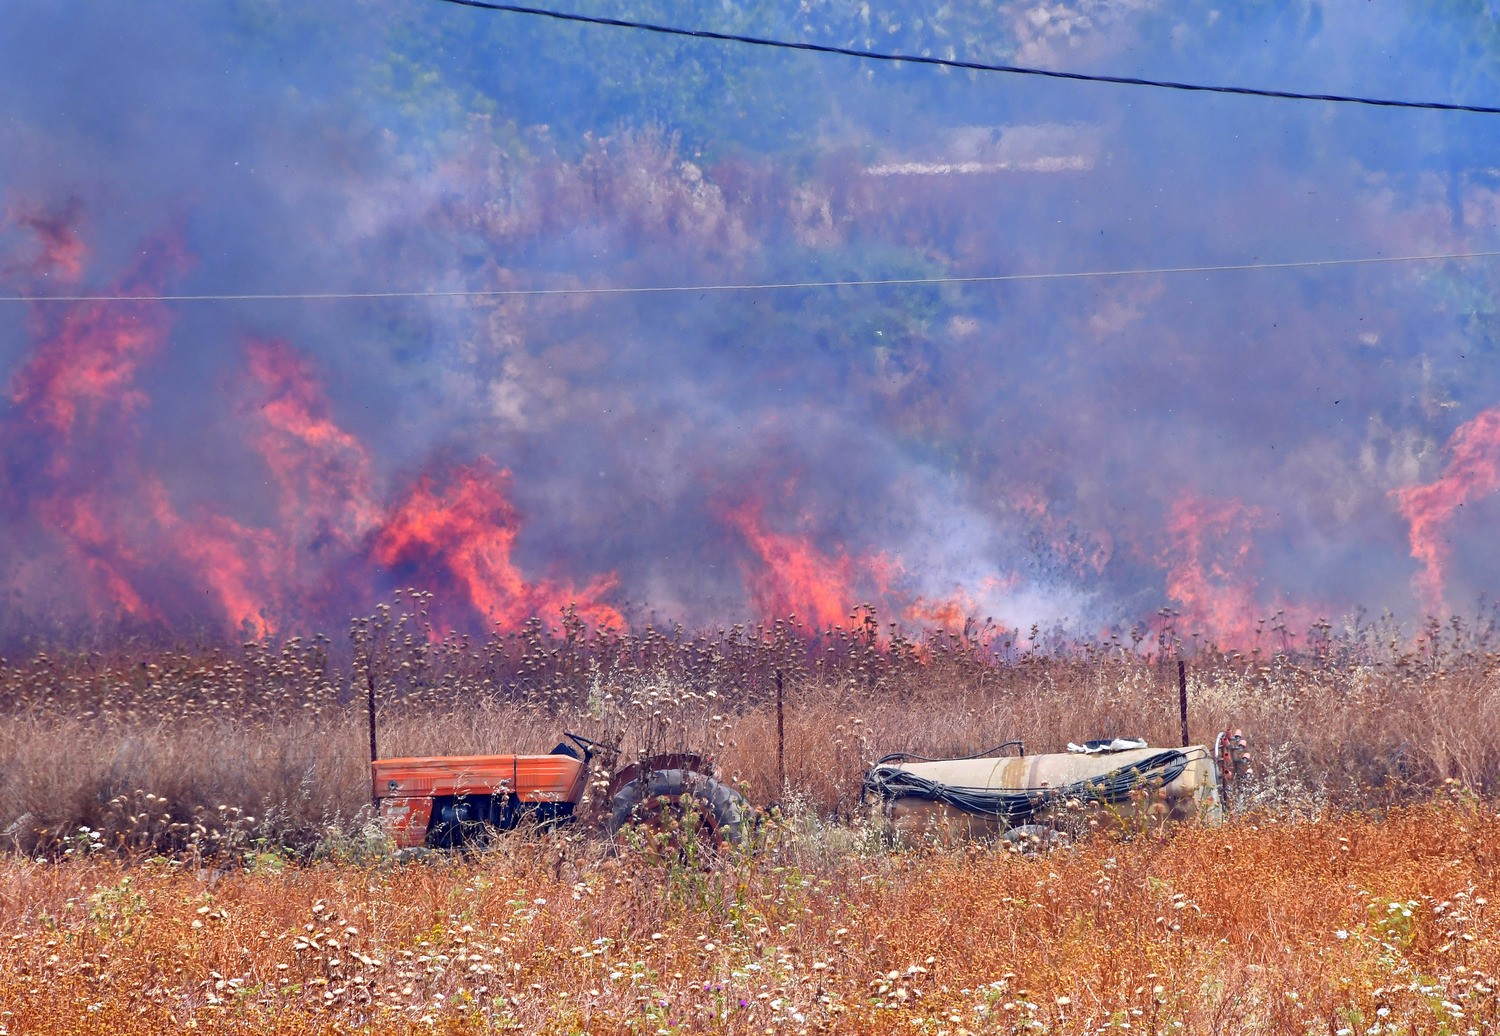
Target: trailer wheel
point(679, 809)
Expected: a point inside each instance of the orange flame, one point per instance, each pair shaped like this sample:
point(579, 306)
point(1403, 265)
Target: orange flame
point(323, 471)
point(1473, 471)
point(97, 548)
point(1210, 552)
point(128, 551)
point(950, 614)
point(93, 362)
point(794, 577)
point(463, 534)
point(954, 612)
point(237, 566)
point(81, 373)
point(87, 364)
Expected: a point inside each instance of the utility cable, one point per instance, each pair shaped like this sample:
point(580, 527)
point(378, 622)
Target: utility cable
point(973, 66)
point(681, 289)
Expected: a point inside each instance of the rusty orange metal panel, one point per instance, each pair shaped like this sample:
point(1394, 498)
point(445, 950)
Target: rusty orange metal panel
point(531, 778)
point(551, 778)
point(405, 819)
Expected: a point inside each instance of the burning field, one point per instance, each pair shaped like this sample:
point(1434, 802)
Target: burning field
point(528, 375)
point(529, 348)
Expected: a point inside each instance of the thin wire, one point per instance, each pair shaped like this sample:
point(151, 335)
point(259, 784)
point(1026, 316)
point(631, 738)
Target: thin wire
point(974, 66)
point(314, 296)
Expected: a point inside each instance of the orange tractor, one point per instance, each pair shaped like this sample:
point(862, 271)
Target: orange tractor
point(445, 802)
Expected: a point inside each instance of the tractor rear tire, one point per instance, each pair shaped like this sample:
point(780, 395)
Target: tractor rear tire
point(653, 800)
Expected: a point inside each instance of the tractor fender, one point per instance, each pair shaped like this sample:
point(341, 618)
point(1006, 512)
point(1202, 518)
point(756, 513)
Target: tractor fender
point(691, 761)
point(723, 809)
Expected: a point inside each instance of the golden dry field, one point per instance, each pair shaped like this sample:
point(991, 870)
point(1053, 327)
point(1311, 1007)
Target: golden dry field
point(1336, 925)
point(188, 842)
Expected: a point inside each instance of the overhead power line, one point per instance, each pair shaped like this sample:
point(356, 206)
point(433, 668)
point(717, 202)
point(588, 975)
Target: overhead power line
point(664, 289)
point(973, 66)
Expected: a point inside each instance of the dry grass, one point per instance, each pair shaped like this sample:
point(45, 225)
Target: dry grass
point(193, 847)
point(266, 745)
point(1338, 925)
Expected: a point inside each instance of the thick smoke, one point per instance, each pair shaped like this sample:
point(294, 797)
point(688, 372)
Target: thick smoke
point(1236, 447)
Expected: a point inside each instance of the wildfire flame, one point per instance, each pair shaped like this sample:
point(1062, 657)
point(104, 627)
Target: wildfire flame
point(1210, 553)
point(79, 485)
point(793, 576)
point(240, 567)
point(332, 533)
point(107, 562)
point(1472, 471)
point(72, 406)
point(958, 610)
point(85, 364)
point(327, 490)
point(461, 532)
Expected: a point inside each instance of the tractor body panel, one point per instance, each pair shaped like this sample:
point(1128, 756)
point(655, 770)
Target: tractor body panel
point(405, 819)
point(494, 789)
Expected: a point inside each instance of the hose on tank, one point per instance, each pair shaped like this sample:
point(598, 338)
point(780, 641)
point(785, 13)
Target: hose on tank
point(1016, 805)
